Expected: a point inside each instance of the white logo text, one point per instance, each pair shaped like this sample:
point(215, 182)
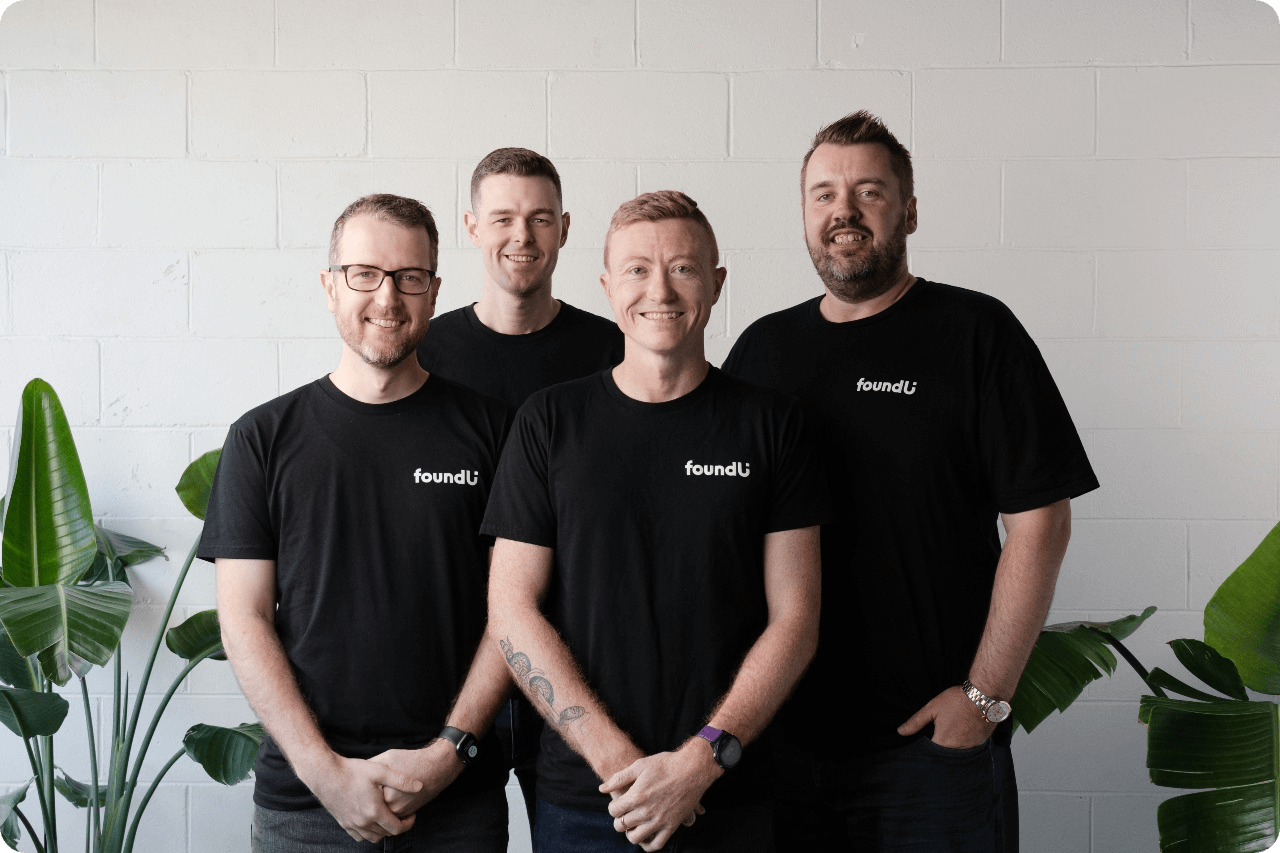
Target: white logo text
point(462, 478)
point(902, 386)
point(733, 469)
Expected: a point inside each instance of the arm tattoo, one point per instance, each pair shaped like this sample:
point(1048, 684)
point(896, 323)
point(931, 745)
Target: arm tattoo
point(536, 684)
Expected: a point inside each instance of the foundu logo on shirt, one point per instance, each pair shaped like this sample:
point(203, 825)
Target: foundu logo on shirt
point(902, 386)
point(462, 478)
point(733, 469)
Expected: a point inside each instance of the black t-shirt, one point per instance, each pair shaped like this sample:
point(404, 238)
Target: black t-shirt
point(936, 414)
point(372, 515)
point(511, 367)
point(657, 513)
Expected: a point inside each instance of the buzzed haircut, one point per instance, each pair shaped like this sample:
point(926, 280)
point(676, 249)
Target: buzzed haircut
point(656, 207)
point(514, 161)
point(861, 128)
point(407, 212)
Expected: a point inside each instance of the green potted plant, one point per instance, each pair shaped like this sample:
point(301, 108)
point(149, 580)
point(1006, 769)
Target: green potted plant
point(64, 603)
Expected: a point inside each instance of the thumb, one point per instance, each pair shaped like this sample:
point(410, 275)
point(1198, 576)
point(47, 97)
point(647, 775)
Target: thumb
point(622, 779)
point(390, 778)
point(918, 721)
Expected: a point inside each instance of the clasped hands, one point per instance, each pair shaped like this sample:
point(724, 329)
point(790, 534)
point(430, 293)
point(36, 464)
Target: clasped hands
point(377, 797)
point(655, 794)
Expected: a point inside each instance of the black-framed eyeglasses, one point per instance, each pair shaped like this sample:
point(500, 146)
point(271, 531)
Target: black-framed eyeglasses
point(411, 281)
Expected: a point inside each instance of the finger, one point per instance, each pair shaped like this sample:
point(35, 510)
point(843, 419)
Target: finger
point(917, 722)
point(392, 825)
point(623, 778)
point(658, 841)
point(390, 778)
point(698, 809)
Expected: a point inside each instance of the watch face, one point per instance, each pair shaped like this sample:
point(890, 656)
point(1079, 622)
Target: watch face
point(999, 712)
point(472, 751)
point(730, 753)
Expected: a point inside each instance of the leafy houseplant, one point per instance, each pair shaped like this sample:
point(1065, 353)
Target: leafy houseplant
point(1224, 745)
point(64, 603)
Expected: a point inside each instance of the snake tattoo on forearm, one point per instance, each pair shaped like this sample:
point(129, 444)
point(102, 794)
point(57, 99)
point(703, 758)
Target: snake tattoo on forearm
point(538, 686)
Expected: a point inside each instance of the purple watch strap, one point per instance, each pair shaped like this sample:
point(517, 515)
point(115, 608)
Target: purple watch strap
point(709, 733)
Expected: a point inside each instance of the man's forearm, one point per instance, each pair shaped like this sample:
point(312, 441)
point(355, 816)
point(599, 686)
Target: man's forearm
point(267, 681)
point(784, 649)
point(1035, 543)
point(542, 665)
point(481, 695)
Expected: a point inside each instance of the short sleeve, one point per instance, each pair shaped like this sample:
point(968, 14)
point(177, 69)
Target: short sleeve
point(238, 521)
point(799, 496)
point(520, 505)
point(1031, 450)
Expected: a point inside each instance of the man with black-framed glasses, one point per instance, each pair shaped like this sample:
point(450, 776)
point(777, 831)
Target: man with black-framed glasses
point(351, 578)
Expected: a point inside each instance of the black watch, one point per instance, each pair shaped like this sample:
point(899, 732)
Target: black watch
point(464, 743)
point(726, 748)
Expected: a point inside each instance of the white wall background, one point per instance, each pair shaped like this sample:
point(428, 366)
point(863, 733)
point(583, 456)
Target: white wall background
point(1110, 168)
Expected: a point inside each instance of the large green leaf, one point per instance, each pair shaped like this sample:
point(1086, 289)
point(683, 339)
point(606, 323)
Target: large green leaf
point(70, 627)
point(1228, 747)
point(197, 635)
point(1204, 662)
point(194, 485)
point(14, 670)
point(10, 829)
point(1065, 659)
point(227, 755)
point(78, 793)
point(1242, 619)
point(115, 551)
point(48, 525)
point(27, 713)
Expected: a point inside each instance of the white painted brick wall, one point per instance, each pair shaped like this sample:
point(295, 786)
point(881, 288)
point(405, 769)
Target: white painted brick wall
point(170, 170)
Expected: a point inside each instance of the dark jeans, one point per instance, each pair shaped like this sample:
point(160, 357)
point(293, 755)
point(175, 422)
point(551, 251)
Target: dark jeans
point(919, 797)
point(519, 728)
point(475, 824)
point(742, 829)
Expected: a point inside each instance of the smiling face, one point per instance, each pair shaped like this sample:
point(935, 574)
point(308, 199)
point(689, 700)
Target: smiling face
point(519, 228)
point(382, 327)
point(856, 221)
point(662, 281)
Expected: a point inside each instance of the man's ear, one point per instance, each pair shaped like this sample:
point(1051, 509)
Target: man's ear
point(472, 223)
point(564, 228)
point(328, 283)
point(912, 222)
point(720, 275)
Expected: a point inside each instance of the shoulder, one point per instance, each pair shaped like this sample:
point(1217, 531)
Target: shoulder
point(579, 320)
point(751, 397)
point(469, 401)
point(770, 326)
point(277, 413)
point(455, 319)
point(963, 304)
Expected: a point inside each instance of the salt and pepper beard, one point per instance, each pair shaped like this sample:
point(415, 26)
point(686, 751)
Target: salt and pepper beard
point(860, 279)
point(371, 355)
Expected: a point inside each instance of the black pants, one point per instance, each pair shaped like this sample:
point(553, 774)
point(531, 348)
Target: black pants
point(919, 797)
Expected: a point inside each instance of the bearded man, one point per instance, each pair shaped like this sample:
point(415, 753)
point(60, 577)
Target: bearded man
point(344, 522)
point(938, 416)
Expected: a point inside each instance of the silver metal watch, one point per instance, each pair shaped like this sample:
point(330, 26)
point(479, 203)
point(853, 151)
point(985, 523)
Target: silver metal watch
point(993, 710)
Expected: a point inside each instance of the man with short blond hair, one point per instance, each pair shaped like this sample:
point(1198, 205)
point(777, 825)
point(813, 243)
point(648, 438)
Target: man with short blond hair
point(344, 522)
point(655, 575)
point(939, 416)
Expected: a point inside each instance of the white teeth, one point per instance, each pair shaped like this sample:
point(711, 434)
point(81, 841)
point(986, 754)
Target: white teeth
point(386, 324)
point(847, 238)
point(660, 315)
point(521, 258)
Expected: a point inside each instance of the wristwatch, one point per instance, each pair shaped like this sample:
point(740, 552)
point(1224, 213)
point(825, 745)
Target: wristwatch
point(993, 710)
point(725, 747)
point(464, 743)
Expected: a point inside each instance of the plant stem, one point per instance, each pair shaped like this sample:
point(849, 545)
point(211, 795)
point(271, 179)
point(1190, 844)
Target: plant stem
point(1133, 662)
point(31, 833)
point(94, 808)
point(133, 827)
point(44, 805)
point(126, 794)
point(164, 703)
point(51, 828)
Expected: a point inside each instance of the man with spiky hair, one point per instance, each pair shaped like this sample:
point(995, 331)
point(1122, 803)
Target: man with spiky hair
point(518, 339)
point(938, 416)
point(344, 523)
point(655, 574)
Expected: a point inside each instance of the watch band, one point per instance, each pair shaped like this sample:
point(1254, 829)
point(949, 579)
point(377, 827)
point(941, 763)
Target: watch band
point(464, 743)
point(993, 710)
